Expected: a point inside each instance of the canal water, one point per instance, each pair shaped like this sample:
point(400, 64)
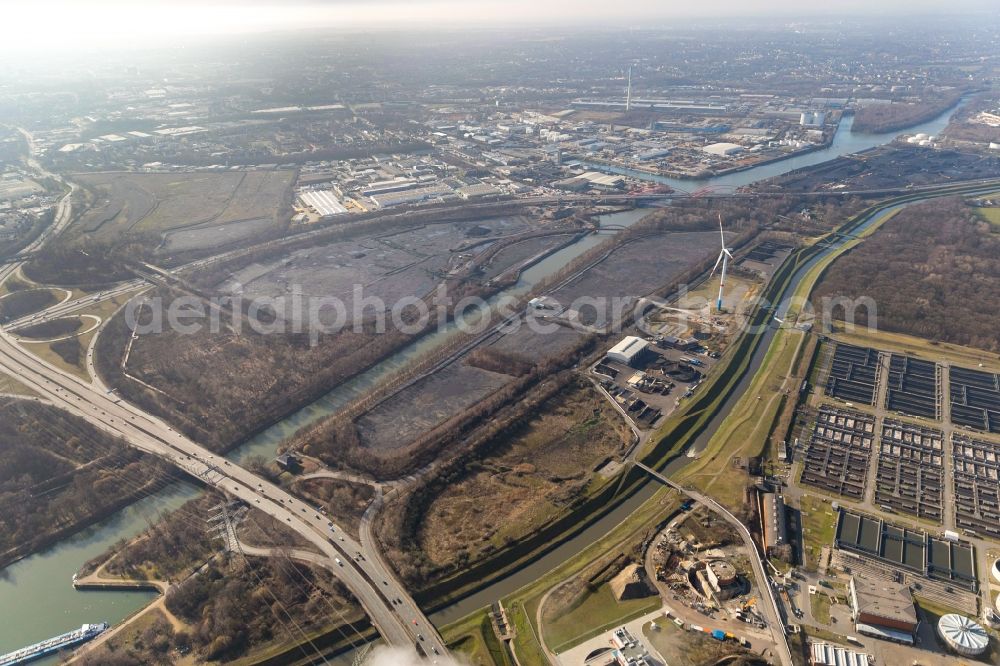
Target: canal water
point(37, 600)
point(845, 142)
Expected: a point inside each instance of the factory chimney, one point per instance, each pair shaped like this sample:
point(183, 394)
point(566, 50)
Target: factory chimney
point(628, 90)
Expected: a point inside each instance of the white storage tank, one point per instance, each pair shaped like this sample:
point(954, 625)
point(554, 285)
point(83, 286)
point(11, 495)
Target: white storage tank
point(996, 570)
point(963, 635)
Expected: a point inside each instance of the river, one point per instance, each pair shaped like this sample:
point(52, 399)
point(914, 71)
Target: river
point(844, 142)
point(37, 600)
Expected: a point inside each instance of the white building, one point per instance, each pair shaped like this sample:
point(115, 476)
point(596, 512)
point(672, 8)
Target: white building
point(723, 149)
point(825, 654)
point(629, 351)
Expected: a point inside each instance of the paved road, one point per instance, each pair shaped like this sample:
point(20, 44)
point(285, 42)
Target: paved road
point(359, 568)
point(772, 612)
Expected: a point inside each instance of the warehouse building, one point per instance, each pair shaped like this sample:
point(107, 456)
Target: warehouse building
point(630, 351)
point(772, 518)
point(322, 202)
point(826, 654)
point(477, 190)
point(883, 609)
point(723, 149)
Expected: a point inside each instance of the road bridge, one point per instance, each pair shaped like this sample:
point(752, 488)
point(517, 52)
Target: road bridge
point(772, 608)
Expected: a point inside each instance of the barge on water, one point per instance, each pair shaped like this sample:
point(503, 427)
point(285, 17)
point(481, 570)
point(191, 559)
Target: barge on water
point(53, 645)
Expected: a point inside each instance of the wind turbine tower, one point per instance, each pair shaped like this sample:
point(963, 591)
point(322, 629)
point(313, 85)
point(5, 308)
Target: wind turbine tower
point(628, 90)
point(724, 256)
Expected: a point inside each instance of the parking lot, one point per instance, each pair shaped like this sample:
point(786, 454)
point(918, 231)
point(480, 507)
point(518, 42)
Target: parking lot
point(976, 483)
point(975, 399)
point(839, 452)
point(910, 470)
point(853, 374)
point(913, 387)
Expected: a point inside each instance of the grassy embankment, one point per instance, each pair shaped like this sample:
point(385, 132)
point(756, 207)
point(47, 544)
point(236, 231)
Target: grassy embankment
point(473, 638)
point(522, 605)
point(594, 613)
point(71, 358)
point(11, 386)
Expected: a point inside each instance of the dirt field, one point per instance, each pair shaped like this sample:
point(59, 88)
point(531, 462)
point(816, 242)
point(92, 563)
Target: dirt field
point(386, 267)
point(636, 269)
point(539, 346)
point(540, 467)
point(212, 208)
point(401, 418)
point(520, 252)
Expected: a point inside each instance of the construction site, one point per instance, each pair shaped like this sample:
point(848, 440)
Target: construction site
point(699, 562)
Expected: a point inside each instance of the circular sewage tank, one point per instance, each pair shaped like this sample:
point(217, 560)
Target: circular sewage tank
point(996, 570)
point(963, 635)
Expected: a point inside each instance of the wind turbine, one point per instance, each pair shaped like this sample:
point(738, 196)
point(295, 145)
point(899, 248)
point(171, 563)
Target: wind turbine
point(724, 256)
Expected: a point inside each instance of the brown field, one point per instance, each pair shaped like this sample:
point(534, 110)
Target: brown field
point(237, 202)
point(383, 266)
point(638, 268)
point(403, 417)
point(533, 471)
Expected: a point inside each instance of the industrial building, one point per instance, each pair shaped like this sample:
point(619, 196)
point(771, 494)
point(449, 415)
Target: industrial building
point(673, 342)
point(722, 579)
point(812, 118)
point(630, 351)
point(322, 202)
point(723, 149)
point(477, 190)
point(883, 610)
point(772, 519)
point(389, 199)
point(826, 654)
point(963, 635)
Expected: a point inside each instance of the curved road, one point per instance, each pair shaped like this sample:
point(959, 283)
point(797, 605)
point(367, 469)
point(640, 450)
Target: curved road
point(359, 568)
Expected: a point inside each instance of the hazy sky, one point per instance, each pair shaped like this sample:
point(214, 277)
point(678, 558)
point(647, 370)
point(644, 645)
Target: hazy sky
point(31, 25)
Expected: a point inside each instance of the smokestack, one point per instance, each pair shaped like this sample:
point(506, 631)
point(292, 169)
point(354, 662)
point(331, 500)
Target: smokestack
point(628, 91)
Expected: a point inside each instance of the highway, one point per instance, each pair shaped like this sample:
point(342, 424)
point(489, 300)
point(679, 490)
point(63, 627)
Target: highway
point(359, 566)
point(387, 603)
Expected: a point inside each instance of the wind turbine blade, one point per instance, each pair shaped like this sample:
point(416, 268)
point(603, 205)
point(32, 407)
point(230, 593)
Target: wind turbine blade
point(728, 253)
point(722, 238)
point(717, 262)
